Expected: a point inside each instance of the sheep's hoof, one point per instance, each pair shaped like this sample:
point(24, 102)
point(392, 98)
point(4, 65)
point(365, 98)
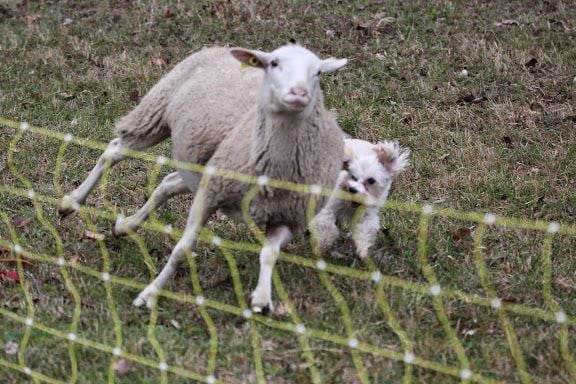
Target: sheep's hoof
point(261, 310)
point(147, 296)
point(65, 212)
point(261, 303)
point(67, 207)
point(363, 252)
point(121, 228)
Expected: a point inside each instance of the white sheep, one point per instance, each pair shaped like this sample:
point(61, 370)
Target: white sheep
point(217, 116)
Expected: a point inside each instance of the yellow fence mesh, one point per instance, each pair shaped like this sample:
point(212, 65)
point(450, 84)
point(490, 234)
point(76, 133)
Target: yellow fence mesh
point(552, 312)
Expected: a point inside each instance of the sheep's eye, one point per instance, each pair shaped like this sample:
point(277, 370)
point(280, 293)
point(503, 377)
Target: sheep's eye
point(319, 72)
point(370, 180)
point(274, 63)
point(353, 177)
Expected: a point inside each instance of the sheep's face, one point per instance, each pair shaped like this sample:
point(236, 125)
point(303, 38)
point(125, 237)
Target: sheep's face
point(370, 172)
point(292, 75)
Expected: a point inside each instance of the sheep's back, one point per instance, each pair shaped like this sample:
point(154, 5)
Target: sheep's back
point(213, 97)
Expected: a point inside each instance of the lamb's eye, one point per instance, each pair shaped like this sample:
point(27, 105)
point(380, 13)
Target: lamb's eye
point(274, 63)
point(319, 73)
point(370, 180)
point(353, 177)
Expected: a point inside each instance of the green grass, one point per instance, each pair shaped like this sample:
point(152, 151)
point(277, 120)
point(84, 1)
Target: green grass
point(512, 153)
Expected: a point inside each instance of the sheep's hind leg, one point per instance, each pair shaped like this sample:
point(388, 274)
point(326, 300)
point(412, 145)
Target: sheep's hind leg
point(111, 155)
point(262, 295)
point(170, 186)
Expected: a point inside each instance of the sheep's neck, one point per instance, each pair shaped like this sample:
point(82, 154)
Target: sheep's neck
point(285, 145)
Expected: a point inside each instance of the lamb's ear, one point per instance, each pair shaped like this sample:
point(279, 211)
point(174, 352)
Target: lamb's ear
point(253, 58)
point(348, 155)
point(331, 65)
point(392, 157)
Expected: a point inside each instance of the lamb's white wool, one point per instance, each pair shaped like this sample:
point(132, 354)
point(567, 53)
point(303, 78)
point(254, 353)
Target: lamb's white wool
point(368, 172)
point(267, 119)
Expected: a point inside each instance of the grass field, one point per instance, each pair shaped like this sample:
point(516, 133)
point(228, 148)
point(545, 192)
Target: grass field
point(498, 137)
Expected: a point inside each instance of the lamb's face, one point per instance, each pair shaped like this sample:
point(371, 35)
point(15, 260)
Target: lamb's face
point(372, 167)
point(367, 177)
point(291, 83)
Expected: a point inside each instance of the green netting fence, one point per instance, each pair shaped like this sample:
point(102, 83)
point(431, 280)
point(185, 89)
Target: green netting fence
point(328, 272)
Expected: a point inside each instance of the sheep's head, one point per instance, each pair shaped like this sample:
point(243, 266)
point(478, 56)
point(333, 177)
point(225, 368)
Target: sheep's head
point(291, 83)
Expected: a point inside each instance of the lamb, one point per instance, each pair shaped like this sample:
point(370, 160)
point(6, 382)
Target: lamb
point(217, 116)
point(369, 170)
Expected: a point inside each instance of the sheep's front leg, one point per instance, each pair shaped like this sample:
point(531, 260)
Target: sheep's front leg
point(262, 295)
point(171, 185)
point(111, 155)
point(365, 232)
point(196, 219)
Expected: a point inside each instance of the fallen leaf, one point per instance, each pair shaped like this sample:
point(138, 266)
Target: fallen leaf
point(134, 96)
point(537, 107)
point(281, 310)
point(9, 275)
point(466, 99)
point(31, 19)
point(462, 233)
point(508, 141)
point(444, 156)
point(507, 22)
point(158, 61)
point(268, 345)
point(558, 25)
point(66, 95)
point(21, 221)
point(509, 300)
point(11, 348)
point(74, 260)
point(531, 63)
point(175, 324)
point(94, 236)
point(566, 283)
point(378, 25)
point(23, 261)
point(169, 14)
point(123, 366)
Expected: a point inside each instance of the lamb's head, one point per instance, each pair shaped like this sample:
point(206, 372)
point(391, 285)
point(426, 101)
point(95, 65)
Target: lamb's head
point(291, 81)
point(370, 173)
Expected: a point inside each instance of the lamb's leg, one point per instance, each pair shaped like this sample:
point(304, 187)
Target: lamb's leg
point(324, 227)
point(365, 232)
point(111, 155)
point(170, 186)
point(275, 239)
point(196, 219)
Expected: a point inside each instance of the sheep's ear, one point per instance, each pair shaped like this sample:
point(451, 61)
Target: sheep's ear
point(331, 65)
point(392, 157)
point(253, 58)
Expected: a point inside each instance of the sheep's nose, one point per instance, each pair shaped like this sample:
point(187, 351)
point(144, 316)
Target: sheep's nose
point(352, 190)
point(299, 91)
